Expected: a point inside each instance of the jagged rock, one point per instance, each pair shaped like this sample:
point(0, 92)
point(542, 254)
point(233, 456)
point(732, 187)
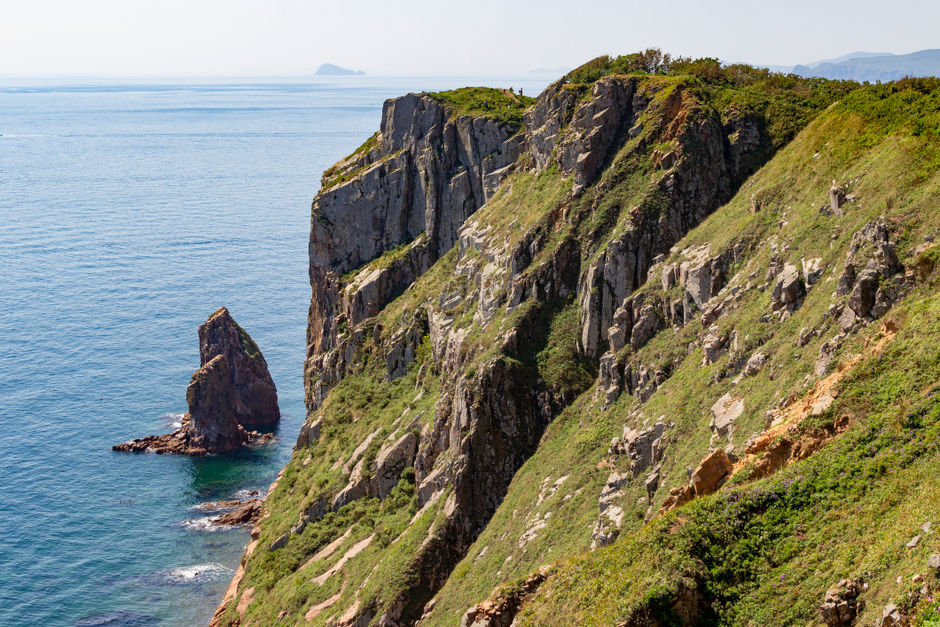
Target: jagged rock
point(862, 298)
point(841, 604)
point(645, 328)
point(212, 414)
point(891, 616)
point(391, 462)
point(404, 345)
point(644, 448)
point(712, 345)
point(253, 390)
point(355, 489)
point(426, 173)
point(309, 434)
point(846, 280)
point(812, 270)
point(789, 290)
point(501, 608)
point(724, 412)
point(595, 125)
point(754, 363)
point(231, 390)
point(933, 561)
point(711, 472)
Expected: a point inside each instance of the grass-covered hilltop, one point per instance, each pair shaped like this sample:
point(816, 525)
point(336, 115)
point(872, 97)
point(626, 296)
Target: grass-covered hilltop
point(660, 346)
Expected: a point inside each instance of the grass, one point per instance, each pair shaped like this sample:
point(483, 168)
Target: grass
point(501, 105)
point(794, 184)
point(766, 552)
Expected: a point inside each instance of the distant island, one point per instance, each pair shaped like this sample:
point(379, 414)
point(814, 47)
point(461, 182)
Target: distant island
point(328, 69)
point(869, 66)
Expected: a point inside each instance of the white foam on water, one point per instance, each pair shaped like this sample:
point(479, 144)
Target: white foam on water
point(173, 420)
point(206, 523)
point(241, 495)
point(198, 573)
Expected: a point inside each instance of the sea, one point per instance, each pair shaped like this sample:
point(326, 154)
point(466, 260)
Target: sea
point(130, 210)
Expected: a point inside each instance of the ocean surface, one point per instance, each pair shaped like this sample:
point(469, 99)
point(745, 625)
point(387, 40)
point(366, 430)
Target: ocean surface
point(129, 211)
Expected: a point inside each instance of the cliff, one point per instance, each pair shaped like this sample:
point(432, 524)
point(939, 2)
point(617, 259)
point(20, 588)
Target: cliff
point(580, 330)
point(229, 396)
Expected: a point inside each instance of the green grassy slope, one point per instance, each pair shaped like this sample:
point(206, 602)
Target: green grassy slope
point(764, 552)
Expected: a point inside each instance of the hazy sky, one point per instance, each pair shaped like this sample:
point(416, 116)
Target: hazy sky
point(274, 37)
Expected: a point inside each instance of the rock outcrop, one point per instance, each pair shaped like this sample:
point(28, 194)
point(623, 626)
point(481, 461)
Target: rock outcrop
point(425, 173)
point(230, 395)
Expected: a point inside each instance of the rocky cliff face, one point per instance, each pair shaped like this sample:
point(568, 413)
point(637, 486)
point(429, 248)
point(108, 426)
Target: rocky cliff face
point(412, 187)
point(391, 211)
point(567, 357)
point(231, 394)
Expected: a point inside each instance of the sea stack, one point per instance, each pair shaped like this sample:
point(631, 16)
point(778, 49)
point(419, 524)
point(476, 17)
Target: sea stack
point(230, 395)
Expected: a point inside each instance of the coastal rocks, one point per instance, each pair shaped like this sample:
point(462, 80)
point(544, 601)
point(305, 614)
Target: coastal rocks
point(232, 390)
point(247, 513)
point(252, 390)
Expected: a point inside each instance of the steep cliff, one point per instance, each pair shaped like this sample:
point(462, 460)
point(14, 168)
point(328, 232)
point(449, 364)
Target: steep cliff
point(552, 326)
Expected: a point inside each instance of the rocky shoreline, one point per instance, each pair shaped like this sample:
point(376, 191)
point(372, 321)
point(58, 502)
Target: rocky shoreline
point(230, 395)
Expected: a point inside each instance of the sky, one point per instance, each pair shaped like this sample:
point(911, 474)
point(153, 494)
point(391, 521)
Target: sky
point(436, 37)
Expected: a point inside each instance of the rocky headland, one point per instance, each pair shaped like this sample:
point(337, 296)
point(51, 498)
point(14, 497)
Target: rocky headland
point(229, 397)
point(656, 347)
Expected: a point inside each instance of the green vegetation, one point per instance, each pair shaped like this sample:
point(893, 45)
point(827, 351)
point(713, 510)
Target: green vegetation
point(756, 552)
point(765, 552)
point(882, 170)
point(502, 105)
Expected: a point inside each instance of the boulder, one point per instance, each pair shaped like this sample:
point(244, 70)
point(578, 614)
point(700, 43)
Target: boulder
point(711, 472)
point(862, 298)
point(724, 412)
point(789, 290)
point(841, 604)
point(754, 363)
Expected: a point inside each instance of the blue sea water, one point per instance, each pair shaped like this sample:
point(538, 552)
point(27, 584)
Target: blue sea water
point(129, 211)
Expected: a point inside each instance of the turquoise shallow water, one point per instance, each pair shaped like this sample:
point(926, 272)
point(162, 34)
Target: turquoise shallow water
point(128, 213)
